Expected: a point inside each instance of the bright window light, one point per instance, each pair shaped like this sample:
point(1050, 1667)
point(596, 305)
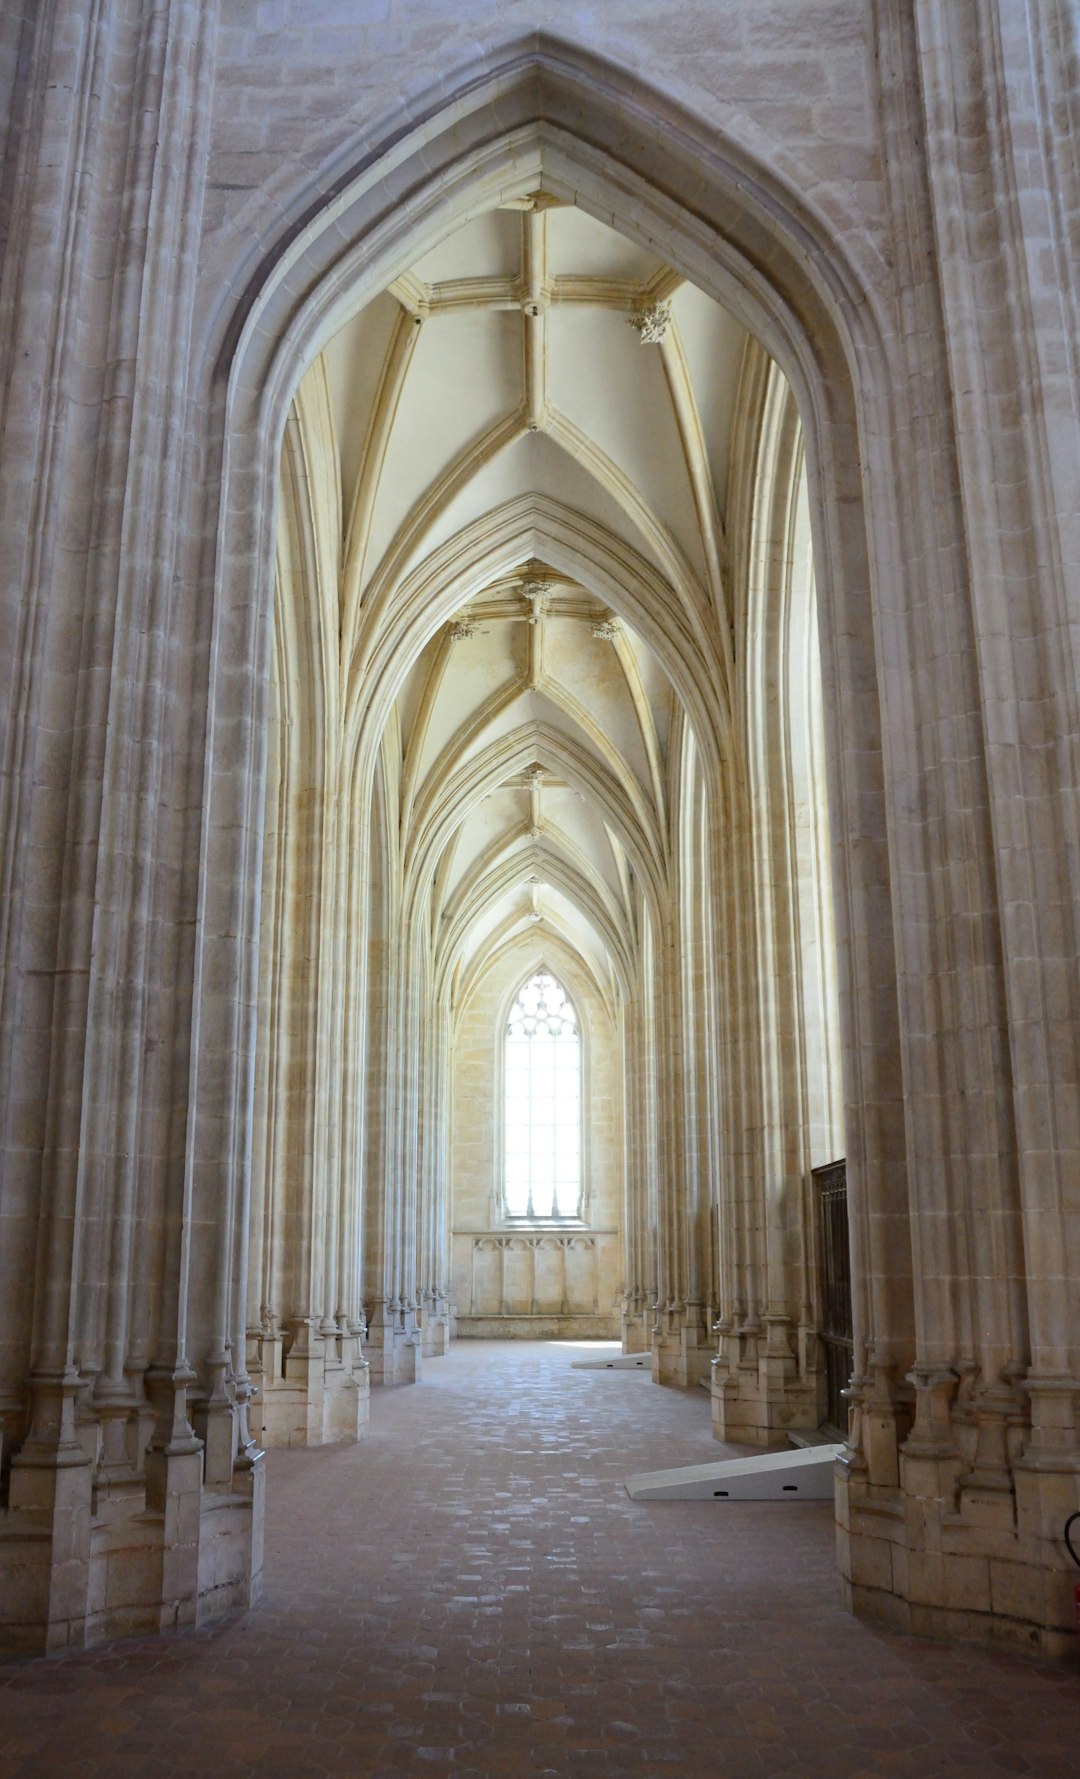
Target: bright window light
point(543, 1102)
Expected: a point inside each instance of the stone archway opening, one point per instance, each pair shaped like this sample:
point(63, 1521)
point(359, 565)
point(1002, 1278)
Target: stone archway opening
point(205, 781)
point(634, 897)
point(545, 686)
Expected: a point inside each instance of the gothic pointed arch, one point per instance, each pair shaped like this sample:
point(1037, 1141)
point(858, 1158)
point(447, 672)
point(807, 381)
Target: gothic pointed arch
point(755, 251)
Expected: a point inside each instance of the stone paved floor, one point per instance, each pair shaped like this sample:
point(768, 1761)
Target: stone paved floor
point(470, 1594)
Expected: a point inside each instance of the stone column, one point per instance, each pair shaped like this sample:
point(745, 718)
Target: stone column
point(112, 132)
point(990, 1468)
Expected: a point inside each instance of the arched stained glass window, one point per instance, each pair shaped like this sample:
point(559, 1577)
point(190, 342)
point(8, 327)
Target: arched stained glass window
point(543, 1102)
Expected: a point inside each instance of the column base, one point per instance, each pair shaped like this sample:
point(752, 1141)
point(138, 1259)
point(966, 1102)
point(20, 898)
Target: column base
point(319, 1394)
point(435, 1325)
point(681, 1354)
point(637, 1325)
point(948, 1562)
point(159, 1556)
point(231, 1538)
point(758, 1404)
point(969, 1547)
point(394, 1355)
point(435, 1339)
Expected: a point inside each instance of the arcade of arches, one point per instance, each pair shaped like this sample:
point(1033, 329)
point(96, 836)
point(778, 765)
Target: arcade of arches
point(486, 529)
point(606, 759)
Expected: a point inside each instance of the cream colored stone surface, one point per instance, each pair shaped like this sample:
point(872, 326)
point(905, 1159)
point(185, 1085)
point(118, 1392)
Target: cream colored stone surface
point(509, 1280)
point(326, 333)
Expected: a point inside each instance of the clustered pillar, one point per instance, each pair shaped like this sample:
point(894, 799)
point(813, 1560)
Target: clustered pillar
point(226, 1012)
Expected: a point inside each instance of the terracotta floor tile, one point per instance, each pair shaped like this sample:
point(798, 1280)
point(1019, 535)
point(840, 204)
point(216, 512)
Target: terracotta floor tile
point(470, 1594)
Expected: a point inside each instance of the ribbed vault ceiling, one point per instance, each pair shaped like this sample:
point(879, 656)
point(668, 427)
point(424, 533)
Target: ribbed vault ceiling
point(538, 417)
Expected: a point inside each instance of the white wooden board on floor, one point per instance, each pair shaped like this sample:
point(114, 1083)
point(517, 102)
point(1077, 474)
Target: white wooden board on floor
point(615, 1362)
point(771, 1476)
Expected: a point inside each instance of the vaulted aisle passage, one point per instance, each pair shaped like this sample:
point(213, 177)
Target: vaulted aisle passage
point(470, 1594)
point(502, 493)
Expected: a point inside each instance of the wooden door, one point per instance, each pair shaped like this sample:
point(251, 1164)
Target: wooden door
point(834, 1259)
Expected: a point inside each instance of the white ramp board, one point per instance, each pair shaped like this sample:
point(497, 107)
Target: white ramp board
point(615, 1362)
point(774, 1476)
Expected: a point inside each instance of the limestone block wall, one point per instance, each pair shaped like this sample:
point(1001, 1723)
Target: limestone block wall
point(537, 1286)
point(508, 1280)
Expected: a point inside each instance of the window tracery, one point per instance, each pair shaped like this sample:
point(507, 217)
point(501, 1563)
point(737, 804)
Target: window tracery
point(542, 1103)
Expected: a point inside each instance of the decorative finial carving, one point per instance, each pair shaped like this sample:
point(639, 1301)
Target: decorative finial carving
point(535, 593)
point(460, 629)
point(533, 880)
point(535, 774)
point(607, 629)
point(651, 324)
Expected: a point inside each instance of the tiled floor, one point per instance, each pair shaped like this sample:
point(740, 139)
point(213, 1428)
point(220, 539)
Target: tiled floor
point(471, 1593)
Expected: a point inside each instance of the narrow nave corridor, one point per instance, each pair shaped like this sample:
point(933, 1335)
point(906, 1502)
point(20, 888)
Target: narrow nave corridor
point(539, 798)
point(470, 1594)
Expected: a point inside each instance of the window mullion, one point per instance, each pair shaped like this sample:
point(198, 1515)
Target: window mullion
point(543, 1087)
point(529, 1133)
